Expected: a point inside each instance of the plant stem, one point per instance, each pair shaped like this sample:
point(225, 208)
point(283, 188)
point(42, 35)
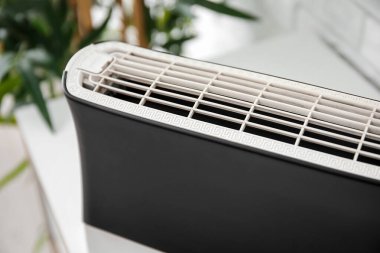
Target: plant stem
point(13, 173)
point(139, 22)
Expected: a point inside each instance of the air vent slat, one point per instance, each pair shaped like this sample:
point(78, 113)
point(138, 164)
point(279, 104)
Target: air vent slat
point(121, 91)
point(181, 82)
point(288, 123)
point(228, 100)
point(348, 103)
point(372, 145)
point(203, 69)
point(145, 61)
point(234, 87)
point(339, 129)
point(223, 106)
point(272, 129)
point(276, 110)
point(370, 155)
point(186, 76)
point(251, 87)
point(140, 66)
point(372, 138)
point(328, 144)
point(123, 75)
point(276, 124)
point(364, 159)
point(149, 58)
point(374, 130)
point(218, 116)
point(126, 83)
point(136, 72)
point(332, 134)
point(178, 90)
point(168, 103)
point(172, 99)
point(287, 100)
point(372, 148)
point(339, 140)
point(295, 89)
point(326, 149)
point(340, 113)
point(295, 118)
point(283, 106)
point(345, 107)
point(191, 71)
point(242, 82)
point(173, 94)
point(220, 111)
point(375, 122)
point(292, 94)
point(339, 121)
point(231, 93)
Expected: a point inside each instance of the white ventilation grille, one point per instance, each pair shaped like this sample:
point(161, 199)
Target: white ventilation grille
point(277, 111)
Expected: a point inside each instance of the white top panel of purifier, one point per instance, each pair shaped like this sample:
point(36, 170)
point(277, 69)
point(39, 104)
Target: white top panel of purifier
point(292, 119)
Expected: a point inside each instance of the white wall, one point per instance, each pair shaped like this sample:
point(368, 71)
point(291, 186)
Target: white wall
point(352, 27)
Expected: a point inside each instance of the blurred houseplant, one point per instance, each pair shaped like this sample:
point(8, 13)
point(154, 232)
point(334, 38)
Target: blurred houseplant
point(37, 37)
point(167, 25)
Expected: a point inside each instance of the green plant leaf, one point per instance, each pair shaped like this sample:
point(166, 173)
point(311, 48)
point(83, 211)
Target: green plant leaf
point(222, 8)
point(32, 84)
point(96, 32)
point(6, 63)
point(13, 173)
point(9, 84)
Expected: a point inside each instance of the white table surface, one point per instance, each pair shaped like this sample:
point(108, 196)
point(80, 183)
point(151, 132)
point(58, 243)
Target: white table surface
point(55, 155)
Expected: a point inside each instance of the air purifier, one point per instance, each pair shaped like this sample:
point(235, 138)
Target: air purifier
point(187, 156)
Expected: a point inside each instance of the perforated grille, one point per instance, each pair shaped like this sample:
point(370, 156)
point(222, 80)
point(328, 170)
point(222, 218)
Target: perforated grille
point(273, 110)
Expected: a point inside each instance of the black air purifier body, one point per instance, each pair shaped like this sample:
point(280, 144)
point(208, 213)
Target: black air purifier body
point(193, 183)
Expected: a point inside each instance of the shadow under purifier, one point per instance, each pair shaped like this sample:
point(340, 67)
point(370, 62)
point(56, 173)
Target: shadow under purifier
point(187, 156)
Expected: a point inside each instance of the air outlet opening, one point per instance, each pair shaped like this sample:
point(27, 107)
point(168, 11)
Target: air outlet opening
point(324, 137)
point(176, 91)
point(230, 104)
point(172, 99)
point(144, 83)
point(371, 149)
point(216, 121)
point(127, 88)
point(272, 124)
point(277, 116)
point(326, 149)
point(221, 111)
point(369, 160)
point(372, 140)
point(328, 129)
point(270, 135)
point(166, 108)
point(122, 96)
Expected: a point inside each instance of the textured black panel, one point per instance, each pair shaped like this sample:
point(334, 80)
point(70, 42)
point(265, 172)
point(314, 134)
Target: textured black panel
point(180, 192)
